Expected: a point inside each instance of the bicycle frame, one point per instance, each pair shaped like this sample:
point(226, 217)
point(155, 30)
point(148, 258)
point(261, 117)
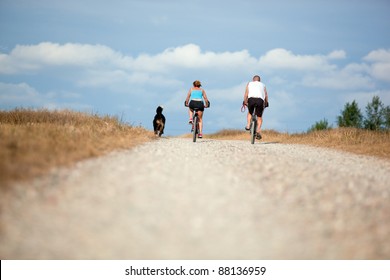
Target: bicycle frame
point(195, 121)
point(195, 124)
point(253, 126)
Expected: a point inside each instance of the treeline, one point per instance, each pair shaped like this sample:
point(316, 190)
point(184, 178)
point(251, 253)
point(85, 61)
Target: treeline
point(377, 117)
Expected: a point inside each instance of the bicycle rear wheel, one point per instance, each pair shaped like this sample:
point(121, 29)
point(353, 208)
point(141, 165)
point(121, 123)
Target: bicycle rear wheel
point(253, 130)
point(195, 130)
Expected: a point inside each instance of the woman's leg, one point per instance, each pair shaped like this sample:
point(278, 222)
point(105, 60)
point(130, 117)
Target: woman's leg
point(200, 115)
point(190, 114)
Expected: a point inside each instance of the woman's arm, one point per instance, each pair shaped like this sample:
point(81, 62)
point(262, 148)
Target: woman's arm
point(188, 97)
point(205, 97)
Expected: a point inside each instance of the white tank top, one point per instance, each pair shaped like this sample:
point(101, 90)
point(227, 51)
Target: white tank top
point(256, 89)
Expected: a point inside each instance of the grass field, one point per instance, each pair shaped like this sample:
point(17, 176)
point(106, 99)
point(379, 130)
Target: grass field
point(358, 141)
point(33, 142)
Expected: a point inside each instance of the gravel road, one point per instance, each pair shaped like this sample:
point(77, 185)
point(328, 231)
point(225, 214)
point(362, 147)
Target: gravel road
point(174, 199)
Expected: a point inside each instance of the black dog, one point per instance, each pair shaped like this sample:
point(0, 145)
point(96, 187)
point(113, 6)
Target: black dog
point(159, 122)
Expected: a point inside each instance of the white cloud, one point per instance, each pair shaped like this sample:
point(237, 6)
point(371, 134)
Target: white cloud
point(381, 71)
point(235, 93)
point(18, 93)
point(380, 64)
point(101, 65)
point(100, 77)
point(282, 59)
point(191, 56)
point(316, 71)
point(24, 95)
point(380, 55)
point(26, 58)
point(106, 78)
point(339, 54)
point(340, 79)
point(125, 81)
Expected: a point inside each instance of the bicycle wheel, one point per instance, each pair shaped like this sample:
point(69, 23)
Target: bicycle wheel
point(253, 129)
point(195, 130)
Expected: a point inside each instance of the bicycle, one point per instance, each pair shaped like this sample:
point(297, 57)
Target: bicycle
point(195, 124)
point(253, 123)
point(253, 126)
point(195, 121)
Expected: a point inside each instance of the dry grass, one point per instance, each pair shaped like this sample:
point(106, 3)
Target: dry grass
point(359, 141)
point(33, 142)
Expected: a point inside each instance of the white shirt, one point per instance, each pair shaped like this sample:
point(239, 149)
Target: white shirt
point(256, 89)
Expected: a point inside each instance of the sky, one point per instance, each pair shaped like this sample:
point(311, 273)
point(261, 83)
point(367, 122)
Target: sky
point(125, 58)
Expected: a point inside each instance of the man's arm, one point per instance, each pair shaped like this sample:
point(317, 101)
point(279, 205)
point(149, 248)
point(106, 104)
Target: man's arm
point(246, 95)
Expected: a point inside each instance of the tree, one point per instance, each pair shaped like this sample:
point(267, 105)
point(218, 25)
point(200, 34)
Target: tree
point(350, 116)
point(375, 119)
point(386, 114)
point(320, 125)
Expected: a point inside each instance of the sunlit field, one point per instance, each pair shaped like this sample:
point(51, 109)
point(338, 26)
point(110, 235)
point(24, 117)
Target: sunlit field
point(33, 142)
point(359, 141)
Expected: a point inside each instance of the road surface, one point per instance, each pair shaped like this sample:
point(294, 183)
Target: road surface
point(175, 199)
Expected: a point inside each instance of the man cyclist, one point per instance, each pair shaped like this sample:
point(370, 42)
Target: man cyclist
point(194, 99)
point(255, 93)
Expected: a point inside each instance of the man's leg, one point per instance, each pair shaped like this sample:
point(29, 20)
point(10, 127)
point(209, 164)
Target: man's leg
point(248, 120)
point(259, 123)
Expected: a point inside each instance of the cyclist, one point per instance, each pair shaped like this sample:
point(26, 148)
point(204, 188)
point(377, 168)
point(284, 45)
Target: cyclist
point(194, 99)
point(255, 93)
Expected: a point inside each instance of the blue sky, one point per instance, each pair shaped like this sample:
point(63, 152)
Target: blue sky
point(125, 58)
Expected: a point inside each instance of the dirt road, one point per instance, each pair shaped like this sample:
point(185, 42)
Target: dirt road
point(174, 199)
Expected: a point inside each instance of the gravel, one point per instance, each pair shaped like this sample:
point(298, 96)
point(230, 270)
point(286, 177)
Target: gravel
point(175, 199)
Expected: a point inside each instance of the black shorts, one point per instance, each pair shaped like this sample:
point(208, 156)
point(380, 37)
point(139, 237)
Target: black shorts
point(260, 106)
point(196, 104)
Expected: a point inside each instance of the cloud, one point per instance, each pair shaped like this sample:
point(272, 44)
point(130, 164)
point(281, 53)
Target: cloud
point(20, 93)
point(191, 56)
point(235, 93)
point(24, 95)
point(343, 79)
point(339, 54)
point(32, 57)
point(94, 76)
point(281, 59)
point(381, 55)
point(101, 65)
point(380, 64)
point(125, 81)
point(320, 71)
point(27, 58)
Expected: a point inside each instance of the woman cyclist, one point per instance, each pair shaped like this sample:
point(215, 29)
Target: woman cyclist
point(195, 98)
